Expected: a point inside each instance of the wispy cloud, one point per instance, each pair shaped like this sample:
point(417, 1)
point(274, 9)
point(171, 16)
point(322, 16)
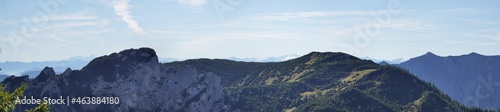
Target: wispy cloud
point(458, 10)
point(121, 8)
point(74, 24)
point(222, 39)
point(483, 39)
point(488, 44)
point(57, 38)
point(413, 26)
point(73, 16)
point(478, 21)
point(302, 15)
point(7, 22)
point(192, 3)
point(494, 37)
point(460, 42)
point(60, 17)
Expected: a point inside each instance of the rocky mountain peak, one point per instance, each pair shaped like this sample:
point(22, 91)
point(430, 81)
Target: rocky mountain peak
point(426, 56)
point(14, 81)
point(315, 57)
point(133, 75)
point(46, 73)
point(474, 54)
point(384, 63)
point(67, 72)
point(121, 63)
point(140, 55)
point(430, 54)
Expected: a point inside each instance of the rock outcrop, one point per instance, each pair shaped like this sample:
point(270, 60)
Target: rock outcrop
point(134, 76)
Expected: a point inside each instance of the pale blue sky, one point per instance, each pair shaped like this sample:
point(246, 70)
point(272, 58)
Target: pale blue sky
point(186, 29)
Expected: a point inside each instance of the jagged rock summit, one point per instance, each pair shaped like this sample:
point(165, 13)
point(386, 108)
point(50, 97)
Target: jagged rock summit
point(135, 77)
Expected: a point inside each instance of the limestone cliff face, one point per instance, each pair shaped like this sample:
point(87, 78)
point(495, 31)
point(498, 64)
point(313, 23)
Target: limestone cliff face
point(136, 77)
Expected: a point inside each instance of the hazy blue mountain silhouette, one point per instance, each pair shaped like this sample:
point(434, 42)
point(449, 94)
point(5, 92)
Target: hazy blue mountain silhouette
point(471, 79)
point(383, 61)
point(2, 77)
point(21, 68)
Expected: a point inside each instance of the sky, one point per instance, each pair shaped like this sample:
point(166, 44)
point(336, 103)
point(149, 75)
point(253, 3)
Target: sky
point(42, 30)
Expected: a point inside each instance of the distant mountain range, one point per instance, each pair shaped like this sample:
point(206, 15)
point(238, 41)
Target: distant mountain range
point(24, 68)
point(266, 59)
point(318, 81)
point(394, 61)
point(471, 79)
point(32, 69)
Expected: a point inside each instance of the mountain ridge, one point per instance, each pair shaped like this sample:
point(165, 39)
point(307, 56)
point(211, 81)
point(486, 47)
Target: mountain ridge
point(317, 76)
point(135, 77)
point(461, 76)
point(318, 81)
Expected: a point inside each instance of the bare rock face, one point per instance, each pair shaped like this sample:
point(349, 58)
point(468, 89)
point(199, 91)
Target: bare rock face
point(134, 76)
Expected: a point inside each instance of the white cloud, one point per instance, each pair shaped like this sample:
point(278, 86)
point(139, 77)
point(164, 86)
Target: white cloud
point(75, 24)
point(57, 38)
point(478, 21)
point(458, 10)
point(192, 3)
point(302, 15)
point(413, 26)
point(60, 17)
point(7, 22)
point(494, 37)
point(459, 42)
point(74, 16)
point(488, 44)
point(121, 8)
point(262, 36)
